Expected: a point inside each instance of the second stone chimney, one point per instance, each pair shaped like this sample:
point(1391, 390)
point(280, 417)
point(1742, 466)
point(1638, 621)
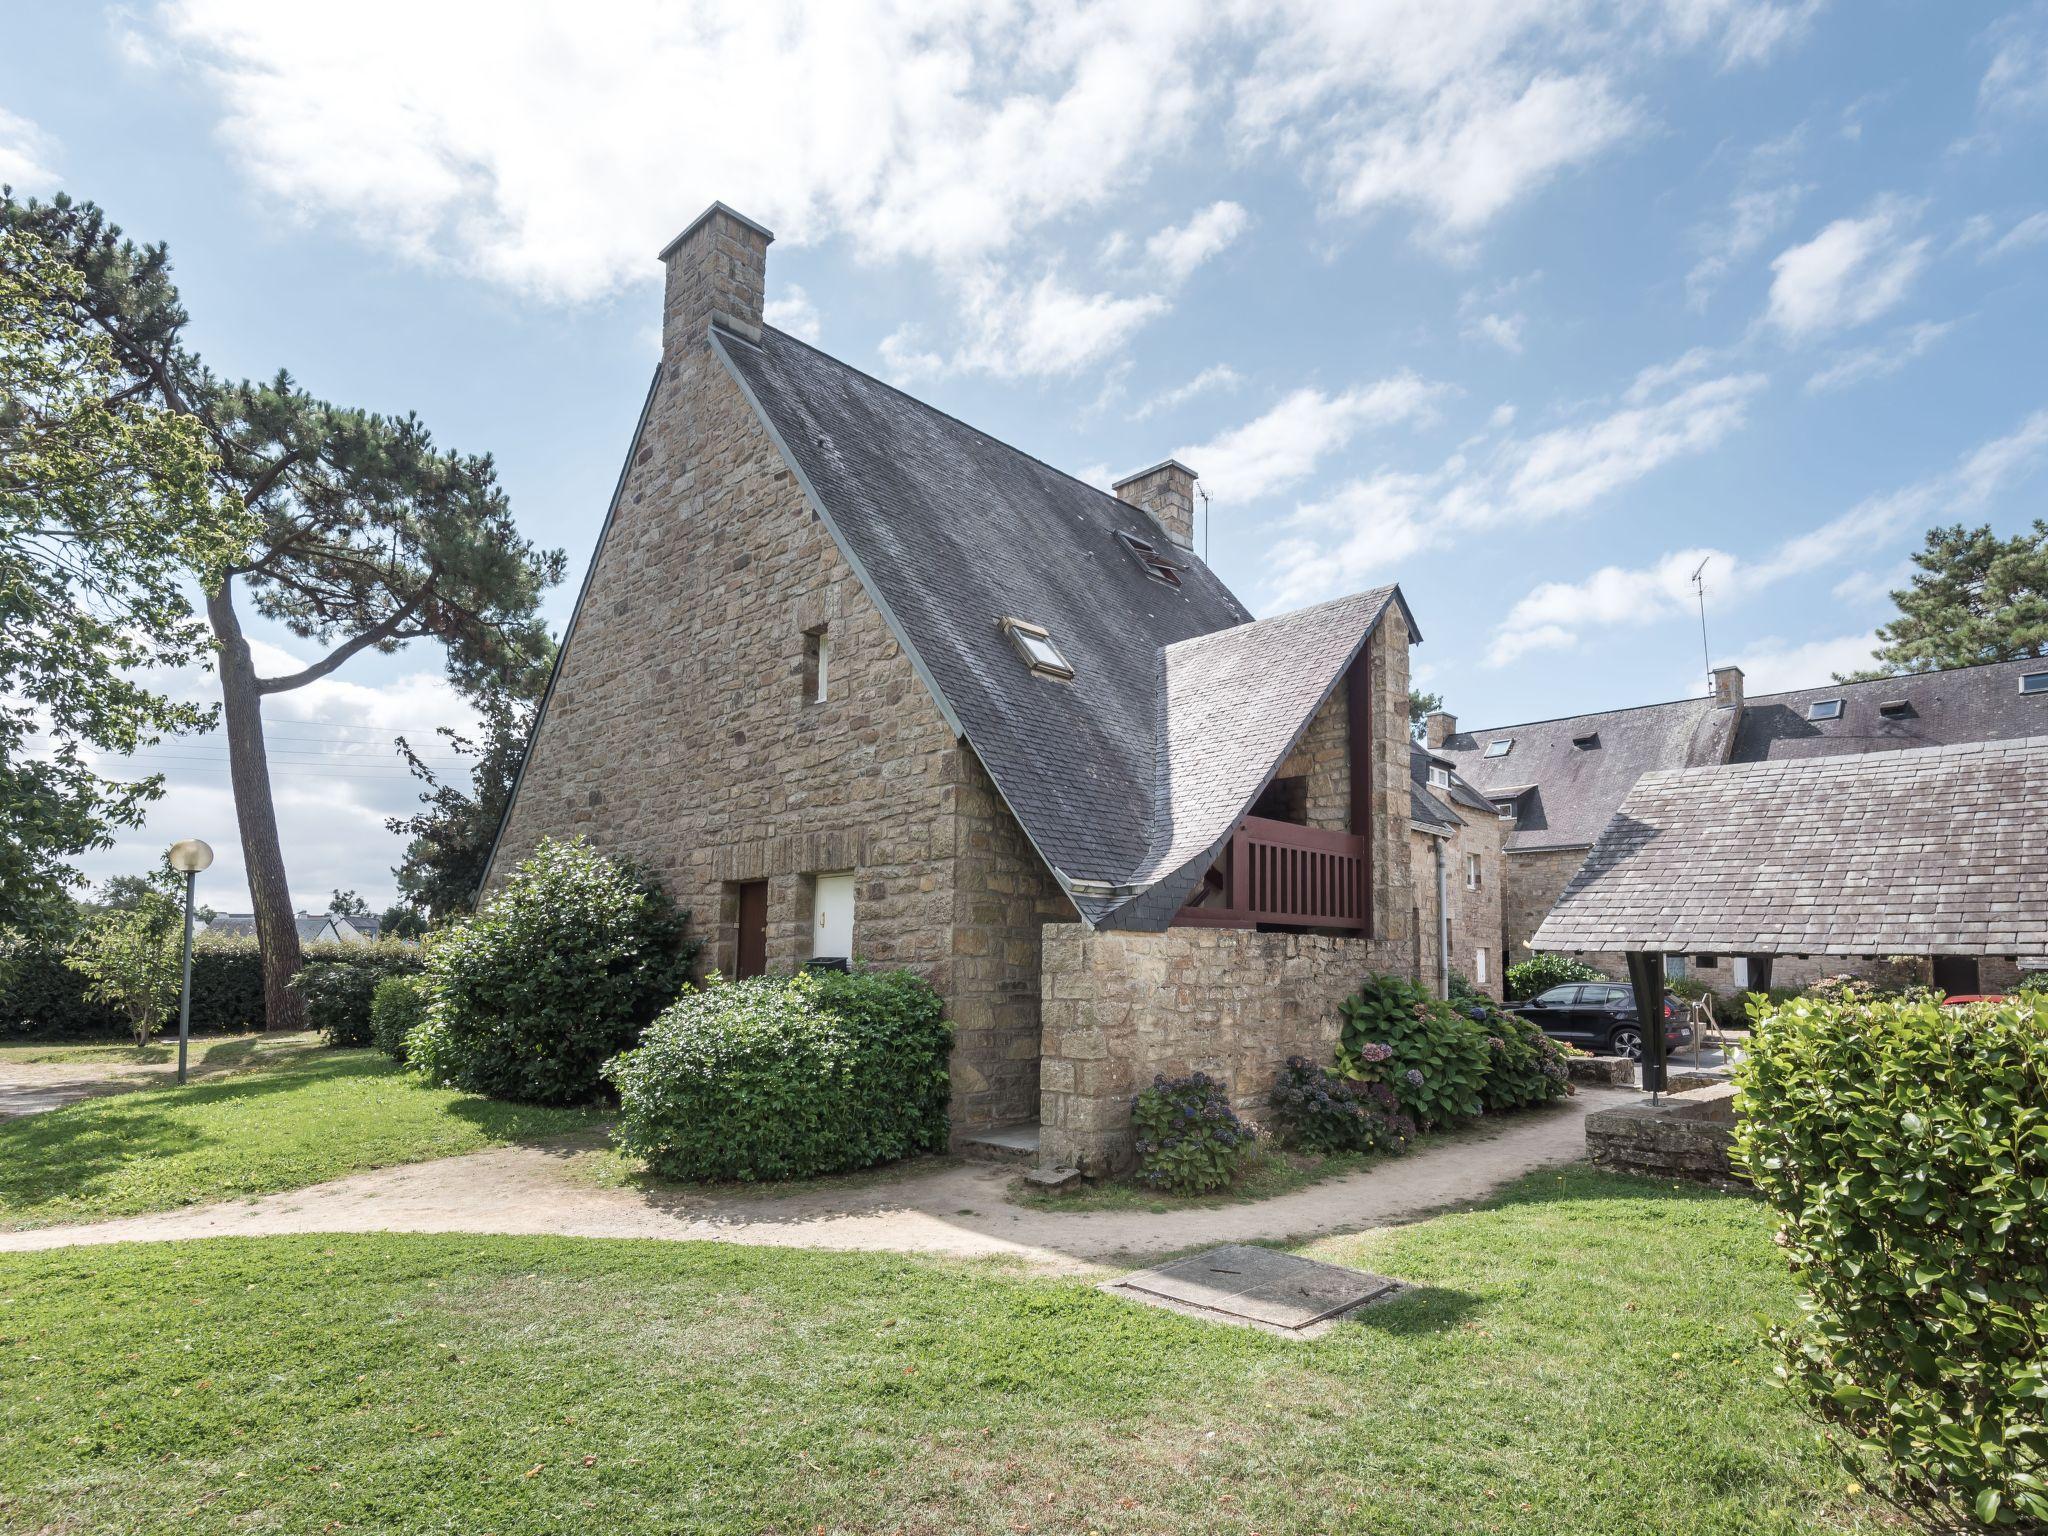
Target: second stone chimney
point(1167, 491)
point(1438, 728)
point(1728, 687)
point(717, 275)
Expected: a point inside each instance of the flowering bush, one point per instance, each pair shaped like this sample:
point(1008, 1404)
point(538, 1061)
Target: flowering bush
point(1190, 1140)
point(1321, 1112)
point(1434, 1058)
point(1523, 1066)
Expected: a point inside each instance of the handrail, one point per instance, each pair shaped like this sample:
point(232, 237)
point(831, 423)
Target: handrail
point(1287, 875)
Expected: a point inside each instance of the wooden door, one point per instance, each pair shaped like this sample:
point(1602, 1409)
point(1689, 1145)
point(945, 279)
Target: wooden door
point(1956, 975)
point(753, 952)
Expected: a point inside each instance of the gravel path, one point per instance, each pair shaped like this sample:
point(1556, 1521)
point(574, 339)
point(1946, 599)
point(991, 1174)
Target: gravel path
point(959, 1210)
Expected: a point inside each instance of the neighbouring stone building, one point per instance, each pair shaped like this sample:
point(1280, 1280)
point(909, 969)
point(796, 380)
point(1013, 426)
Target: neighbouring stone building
point(1456, 849)
point(859, 682)
point(1562, 781)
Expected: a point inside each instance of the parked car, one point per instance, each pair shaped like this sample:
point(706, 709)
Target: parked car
point(1598, 1016)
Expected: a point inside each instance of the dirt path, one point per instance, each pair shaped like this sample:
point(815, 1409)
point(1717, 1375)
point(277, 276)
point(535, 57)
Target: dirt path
point(32, 1087)
point(960, 1211)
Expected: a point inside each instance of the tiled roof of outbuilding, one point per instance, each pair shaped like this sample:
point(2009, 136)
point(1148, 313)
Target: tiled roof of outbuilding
point(952, 531)
point(1943, 851)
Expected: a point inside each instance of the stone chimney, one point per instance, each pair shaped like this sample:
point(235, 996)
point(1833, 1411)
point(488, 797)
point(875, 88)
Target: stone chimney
point(1438, 728)
point(717, 273)
point(1728, 687)
point(1167, 491)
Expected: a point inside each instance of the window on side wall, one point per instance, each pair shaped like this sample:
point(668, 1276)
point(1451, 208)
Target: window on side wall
point(1471, 871)
point(817, 665)
point(1479, 966)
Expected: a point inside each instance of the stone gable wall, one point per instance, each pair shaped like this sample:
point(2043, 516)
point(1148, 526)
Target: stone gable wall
point(1475, 915)
point(1122, 1007)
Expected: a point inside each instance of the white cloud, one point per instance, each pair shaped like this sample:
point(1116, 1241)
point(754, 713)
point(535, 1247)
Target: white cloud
point(792, 310)
point(2030, 231)
point(1754, 215)
point(1504, 331)
point(1880, 362)
point(1177, 251)
point(1772, 665)
point(1284, 445)
point(2015, 83)
point(1371, 524)
point(1218, 376)
point(1869, 586)
point(26, 154)
point(1044, 329)
point(1556, 614)
point(1848, 274)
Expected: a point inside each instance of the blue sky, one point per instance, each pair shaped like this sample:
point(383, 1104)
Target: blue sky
point(1530, 306)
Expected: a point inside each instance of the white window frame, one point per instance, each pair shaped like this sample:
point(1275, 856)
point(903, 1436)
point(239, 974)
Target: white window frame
point(1440, 777)
point(1500, 748)
point(1471, 871)
point(1739, 969)
point(1479, 965)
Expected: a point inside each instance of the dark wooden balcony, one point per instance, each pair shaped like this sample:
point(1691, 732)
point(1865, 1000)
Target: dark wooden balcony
point(1279, 874)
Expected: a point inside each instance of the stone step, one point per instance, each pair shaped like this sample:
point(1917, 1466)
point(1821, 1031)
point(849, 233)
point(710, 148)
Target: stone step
point(1003, 1144)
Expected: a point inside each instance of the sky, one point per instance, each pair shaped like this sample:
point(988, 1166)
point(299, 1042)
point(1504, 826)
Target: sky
point(1531, 305)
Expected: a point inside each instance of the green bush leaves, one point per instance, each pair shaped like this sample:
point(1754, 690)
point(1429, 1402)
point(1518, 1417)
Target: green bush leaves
point(1905, 1147)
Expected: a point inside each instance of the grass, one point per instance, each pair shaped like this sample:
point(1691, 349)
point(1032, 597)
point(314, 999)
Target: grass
point(213, 1052)
point(1580, 1358)
point(309, 1115)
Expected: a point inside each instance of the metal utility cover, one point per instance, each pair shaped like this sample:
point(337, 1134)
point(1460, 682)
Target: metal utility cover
point(1278, 1291)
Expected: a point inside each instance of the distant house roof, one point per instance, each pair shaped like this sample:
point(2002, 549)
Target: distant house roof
point(1570, 790)
point(242, 925)
point(1778, 857)
point(1125, 775)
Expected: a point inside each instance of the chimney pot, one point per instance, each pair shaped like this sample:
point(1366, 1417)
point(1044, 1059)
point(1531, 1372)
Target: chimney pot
point(717, 275)
point(1167, 491)
point(1728, 687)
point(1438, 727)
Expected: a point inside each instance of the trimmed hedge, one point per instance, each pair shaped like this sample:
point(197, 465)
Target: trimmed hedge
point(41, 998)
point(1528, 977)
point(1904, 1146)
point(397, 1007)
point(788, 1077)
point(338, 981)
point(554, 976)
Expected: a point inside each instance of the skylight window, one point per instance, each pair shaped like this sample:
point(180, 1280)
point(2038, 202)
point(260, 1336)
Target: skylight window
point(2034, 682)
point(1035, 645)
point(1586, 743)
point(1824, 709)
point(1156, 565)
point(1500, 748)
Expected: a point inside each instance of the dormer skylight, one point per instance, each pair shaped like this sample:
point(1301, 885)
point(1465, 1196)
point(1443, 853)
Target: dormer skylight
point(1035, 645)
point(1824, 709)
point(1155, 564)
point(1587, 742)
point(2034, 682)
point(1895, 709)
point(1500, 748)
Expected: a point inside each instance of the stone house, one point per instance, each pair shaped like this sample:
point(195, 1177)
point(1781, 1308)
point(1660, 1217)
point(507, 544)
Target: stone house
point(1456, 846)
point(1562, 781)
point(860, 682)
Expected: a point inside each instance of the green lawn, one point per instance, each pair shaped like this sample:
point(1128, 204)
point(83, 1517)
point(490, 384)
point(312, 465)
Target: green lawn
point(307, 1116)
point(1580, 1357)
point(209, 1052)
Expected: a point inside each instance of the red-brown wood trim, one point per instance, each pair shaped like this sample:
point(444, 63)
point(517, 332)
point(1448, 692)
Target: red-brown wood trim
point(1359, 745)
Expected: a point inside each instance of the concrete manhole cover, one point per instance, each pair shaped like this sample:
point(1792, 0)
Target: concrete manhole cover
point(1280, 1292)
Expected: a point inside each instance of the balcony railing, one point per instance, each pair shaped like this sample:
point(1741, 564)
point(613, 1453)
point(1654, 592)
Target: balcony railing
point(1290, 876)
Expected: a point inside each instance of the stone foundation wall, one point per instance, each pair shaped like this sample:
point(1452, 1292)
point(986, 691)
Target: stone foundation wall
point(1120, 1008)
point(1685, 1136)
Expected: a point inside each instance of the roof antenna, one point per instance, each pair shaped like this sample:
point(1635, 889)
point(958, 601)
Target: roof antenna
point(1202, 491)
point(1699, 588)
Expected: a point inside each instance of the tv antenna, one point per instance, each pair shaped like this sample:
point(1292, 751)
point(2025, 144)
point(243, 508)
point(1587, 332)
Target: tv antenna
point(1204, 494)
point(1699, 587)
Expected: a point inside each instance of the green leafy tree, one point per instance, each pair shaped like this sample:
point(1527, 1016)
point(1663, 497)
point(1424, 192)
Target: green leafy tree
point(368, 536)
point(1420, 706)
point(450, 840)
point(348, 904)
point(401, 922)
point(106, 501)
point(1976, 598)
point(131, 957)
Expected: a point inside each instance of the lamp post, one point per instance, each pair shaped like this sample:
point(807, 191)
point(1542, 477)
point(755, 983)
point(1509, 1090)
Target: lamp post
point(187, 858)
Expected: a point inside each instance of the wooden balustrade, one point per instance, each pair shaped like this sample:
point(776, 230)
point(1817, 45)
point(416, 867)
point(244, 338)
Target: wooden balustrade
point(1292, 876)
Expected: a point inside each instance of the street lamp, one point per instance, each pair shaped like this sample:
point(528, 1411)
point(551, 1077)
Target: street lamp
point(187, 858)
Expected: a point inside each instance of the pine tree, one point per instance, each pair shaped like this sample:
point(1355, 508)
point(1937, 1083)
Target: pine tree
point(1977, 598)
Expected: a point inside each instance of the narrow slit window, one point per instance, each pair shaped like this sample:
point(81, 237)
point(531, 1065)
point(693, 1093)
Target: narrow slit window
point(817, 664)
point(1824, 709)
point(1500, 748)
point(1035, 645)
point(1471, 871)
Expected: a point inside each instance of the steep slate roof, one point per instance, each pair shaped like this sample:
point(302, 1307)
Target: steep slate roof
point(1423, 807)
point(1576, 790)
point(242, 925)
point(951, 531)
point(1943, 851)
point(1572, 790)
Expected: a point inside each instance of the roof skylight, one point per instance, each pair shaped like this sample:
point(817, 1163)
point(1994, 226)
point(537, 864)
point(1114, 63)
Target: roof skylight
point(1824, 709)
point(1156, 565)
point(1500, 748)
point(2034, 682)
point(1035, 645)
point(1588, 742)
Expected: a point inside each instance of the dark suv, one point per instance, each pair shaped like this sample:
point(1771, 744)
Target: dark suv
point(1597, 1016)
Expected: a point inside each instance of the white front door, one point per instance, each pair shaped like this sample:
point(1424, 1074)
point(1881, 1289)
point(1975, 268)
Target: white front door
point(832, 918)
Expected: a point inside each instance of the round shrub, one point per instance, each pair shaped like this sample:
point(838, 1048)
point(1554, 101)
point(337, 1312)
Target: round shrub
point(397, 1007)
point(1434, 1058)
point(1318, 1111)
point(1904, 1147)
point(787, 1077)
point(553, 976)
point(1528, 977)
point(338, 982)
point(1190, 1140)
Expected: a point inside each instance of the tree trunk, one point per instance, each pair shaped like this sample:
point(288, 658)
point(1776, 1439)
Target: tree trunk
point(270, 895)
